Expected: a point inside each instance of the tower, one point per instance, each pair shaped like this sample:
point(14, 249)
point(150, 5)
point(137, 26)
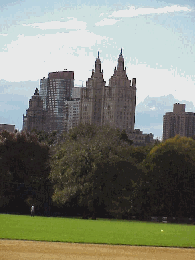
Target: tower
point(35, 115)
point(91, 105)
point(120, 99)
point(114, 104)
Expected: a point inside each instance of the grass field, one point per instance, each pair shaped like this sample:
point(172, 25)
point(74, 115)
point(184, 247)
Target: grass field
point(99, 231)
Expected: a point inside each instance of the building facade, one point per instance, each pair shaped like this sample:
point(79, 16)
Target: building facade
point(76, 93)
point(112, 105)
point(35, 115)
point(49, 109)
point(55, 91)
point(91, 104)
point(72, 109)
point(141, 139)
point(178, 122)
point(7, 127)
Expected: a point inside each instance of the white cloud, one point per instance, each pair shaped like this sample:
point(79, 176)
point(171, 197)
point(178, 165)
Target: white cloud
point(72, 24)
point(106, 21)
point(32, 57)
point(160, 82)
point(132, 11)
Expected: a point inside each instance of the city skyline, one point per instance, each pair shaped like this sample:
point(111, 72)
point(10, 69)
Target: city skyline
point(156, 37)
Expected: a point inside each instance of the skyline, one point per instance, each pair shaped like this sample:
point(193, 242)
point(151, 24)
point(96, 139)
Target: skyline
point(157, 38)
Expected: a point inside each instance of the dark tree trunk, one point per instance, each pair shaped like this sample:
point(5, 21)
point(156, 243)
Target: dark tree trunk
point(85, 215)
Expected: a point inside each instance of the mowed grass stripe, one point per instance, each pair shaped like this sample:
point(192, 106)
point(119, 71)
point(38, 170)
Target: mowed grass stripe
point(101, 231)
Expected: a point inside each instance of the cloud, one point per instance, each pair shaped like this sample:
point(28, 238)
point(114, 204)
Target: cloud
point(32, 57)
point(72, 24)
point(3, 34)
point(132, 11)
point(171, 82)
point(106, 21)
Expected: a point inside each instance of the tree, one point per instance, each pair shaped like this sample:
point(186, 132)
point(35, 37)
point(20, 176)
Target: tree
point(24, 169)
point(85, 164)
point(45, 137)
point(169, 182)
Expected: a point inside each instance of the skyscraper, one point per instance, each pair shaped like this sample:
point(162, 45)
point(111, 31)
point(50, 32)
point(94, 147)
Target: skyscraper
point(120, 99)
point(92, 97)
point(113, 105)
point(54, 91)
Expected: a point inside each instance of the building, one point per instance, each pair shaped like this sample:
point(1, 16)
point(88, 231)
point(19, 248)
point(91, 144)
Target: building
point(112, 105)
point(91, 106)
point(60, 106)
point(76, 93)
point(178, 122)
point(140, 139)
point(72, 109)
point(55, 91)
point(35, 115)
point(7, 127)
point(120, 99)
point(48, 109)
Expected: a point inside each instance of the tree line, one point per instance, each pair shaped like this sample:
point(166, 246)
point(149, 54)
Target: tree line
point(96, 172)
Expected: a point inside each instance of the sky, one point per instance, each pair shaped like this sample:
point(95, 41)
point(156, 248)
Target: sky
point(157, 39)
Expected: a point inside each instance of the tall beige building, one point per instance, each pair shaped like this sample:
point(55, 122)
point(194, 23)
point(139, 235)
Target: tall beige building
point(92, 97)
point(113, 105)
point(178, 122)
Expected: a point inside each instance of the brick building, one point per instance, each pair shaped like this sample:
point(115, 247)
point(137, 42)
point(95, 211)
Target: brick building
point(178, 122)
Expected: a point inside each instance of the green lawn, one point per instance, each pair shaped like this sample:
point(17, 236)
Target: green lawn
point(96, 231)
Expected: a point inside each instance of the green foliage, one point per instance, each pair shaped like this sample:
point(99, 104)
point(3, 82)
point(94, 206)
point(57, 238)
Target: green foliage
point(44, 137)
point(171, 177)
point(86, 163)
point(97, 169)
point(23, 161)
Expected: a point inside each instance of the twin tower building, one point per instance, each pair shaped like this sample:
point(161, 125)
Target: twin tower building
point(60, 106)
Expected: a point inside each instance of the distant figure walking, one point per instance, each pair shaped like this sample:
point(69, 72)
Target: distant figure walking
point(32, 211)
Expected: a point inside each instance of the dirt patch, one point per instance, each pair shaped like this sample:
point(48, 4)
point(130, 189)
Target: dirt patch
point(22, 250)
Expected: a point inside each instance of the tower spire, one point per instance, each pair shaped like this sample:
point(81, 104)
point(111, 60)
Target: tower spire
point(97, 64)
point(120, 65)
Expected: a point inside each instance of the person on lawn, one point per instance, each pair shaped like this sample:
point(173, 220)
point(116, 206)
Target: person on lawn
point(32, 211)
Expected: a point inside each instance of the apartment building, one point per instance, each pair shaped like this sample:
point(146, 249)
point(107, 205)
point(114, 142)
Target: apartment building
point(112, 105)
point(178, 122)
